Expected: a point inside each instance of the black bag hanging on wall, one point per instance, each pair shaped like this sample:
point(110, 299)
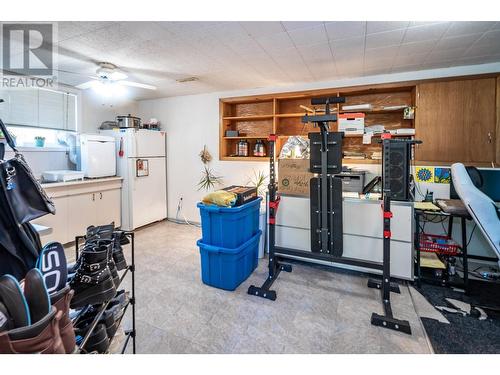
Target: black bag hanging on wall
point(24, 195)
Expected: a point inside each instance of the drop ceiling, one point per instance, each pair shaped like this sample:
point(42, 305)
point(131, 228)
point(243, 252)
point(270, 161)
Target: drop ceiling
point(240, 55)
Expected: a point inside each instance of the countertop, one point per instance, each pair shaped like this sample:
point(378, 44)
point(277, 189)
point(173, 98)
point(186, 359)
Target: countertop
point(47, 185)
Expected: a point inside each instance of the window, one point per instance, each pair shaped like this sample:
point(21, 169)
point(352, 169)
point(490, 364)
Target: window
point(39, 108)
point(25, 136)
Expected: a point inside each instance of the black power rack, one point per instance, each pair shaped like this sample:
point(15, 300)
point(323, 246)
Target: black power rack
point(326, 215)
point(129, 334)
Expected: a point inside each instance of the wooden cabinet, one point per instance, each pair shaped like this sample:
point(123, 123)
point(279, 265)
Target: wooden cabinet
point(79, 205)
point(456, 121)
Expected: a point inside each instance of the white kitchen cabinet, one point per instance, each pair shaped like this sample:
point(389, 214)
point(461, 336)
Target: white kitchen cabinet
point(58, 222)
point(80, 204)
point(107, 204)
point(82, 213)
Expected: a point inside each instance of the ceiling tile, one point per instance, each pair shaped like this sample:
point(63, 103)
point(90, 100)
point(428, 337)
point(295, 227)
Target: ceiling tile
point(477, 60)
point(276, 41)
point(377, 70)
point(308, 36)
point(381, 61)
point(482, 50)
point(472, 27)
point(489, 38)
point(405, 68)
point(243, 45)
point(293, 25)
point(417, 47)
point(354, 44)
point(388, 38)
point(384, 52)
point(67, 30)
point(409, 59)
point(462, 41)
point(226, 30)
point(345, 29)
point(381, 26)
point(426, 32)
point(316, 51)
point(262, 28)
point(444, 55)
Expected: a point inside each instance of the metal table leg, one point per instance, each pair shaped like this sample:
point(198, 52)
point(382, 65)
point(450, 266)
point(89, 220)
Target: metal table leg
point(464, 253)
point(417, 247)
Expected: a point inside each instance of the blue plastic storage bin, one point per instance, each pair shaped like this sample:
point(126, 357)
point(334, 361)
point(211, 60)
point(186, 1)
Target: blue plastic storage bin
point(229, 227)
point(227, 268)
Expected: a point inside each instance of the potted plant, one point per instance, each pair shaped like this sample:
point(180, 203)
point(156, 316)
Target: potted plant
point(39, 141)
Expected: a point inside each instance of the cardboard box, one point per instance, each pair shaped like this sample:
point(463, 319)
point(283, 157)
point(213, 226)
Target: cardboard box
point(294, 177)
point(244, 194)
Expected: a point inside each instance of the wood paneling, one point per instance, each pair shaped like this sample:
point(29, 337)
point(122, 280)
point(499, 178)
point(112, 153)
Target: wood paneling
point(379, 100)
point(252, 109)
point(454, 119)
point(479, 120)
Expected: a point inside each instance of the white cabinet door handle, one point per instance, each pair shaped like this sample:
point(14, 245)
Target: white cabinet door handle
point(100, 195)
point(93, 197)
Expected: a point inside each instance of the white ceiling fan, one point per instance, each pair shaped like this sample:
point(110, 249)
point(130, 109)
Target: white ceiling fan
point(108, 73)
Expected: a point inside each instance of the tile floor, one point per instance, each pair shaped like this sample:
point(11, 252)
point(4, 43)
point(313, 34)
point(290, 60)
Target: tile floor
point(318, 310)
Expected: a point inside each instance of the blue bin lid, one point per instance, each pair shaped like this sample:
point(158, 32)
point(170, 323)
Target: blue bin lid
point(214, 208)
point(219, 249)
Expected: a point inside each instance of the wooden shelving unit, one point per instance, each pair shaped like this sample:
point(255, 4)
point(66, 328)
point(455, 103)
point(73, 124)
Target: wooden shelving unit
point(255, 117)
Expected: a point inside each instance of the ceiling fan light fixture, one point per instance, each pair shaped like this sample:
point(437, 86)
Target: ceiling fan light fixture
point(117, 75)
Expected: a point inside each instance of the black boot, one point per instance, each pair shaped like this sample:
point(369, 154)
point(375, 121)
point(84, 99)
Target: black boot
point(93, 283)
point(118, 256)
point(103, 232)
point(98, 340)
point(108, 244)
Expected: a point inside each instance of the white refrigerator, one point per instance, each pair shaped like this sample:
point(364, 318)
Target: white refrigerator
point(141, 161)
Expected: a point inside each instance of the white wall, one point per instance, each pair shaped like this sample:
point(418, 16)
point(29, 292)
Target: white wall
point(96, 109)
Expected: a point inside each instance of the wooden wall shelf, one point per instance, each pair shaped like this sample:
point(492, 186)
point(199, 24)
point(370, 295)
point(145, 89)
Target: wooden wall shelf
point(458, 119)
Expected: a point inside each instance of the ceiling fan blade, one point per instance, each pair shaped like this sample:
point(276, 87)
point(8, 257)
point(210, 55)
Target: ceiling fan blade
point(136, 84)
point(76, 74)
point(76, 55)
point(86, 85)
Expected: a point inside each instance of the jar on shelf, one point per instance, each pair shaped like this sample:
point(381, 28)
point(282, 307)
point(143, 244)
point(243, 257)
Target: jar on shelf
point(260, 148)
point(242, 148)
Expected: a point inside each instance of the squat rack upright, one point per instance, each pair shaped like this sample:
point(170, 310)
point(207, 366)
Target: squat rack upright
point(328, 228)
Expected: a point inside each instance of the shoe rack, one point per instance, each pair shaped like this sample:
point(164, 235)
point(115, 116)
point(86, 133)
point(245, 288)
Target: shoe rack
point(129, 334)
